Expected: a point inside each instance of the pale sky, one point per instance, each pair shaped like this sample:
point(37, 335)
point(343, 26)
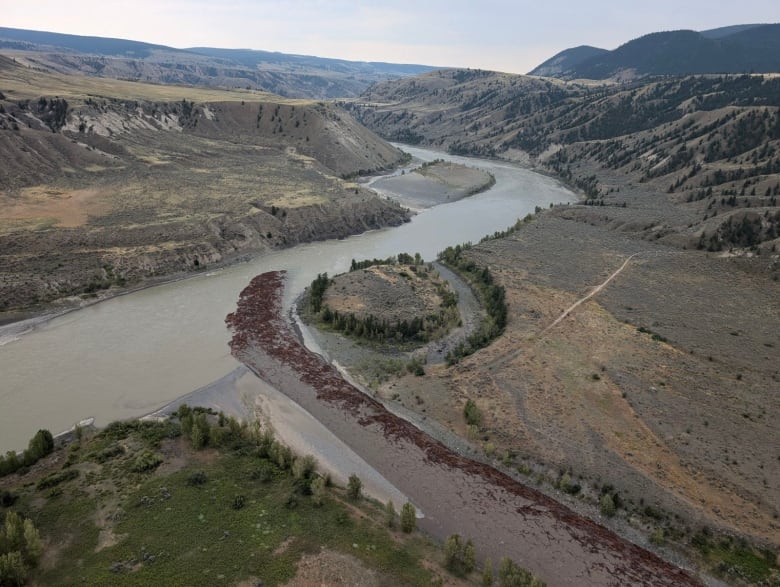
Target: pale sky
point(487, 34)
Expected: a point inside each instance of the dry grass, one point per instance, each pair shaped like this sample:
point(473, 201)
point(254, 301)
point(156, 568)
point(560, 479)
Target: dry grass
point(29, 83)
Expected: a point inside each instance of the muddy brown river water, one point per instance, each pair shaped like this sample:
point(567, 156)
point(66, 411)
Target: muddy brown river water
point(130, 355)
point(456, 494)
point(133, 354)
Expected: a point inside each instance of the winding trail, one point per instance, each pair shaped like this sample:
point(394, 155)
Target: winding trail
point(593, 292)
point(455, 494)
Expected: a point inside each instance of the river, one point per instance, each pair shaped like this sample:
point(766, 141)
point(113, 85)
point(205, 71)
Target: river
point(130, 355)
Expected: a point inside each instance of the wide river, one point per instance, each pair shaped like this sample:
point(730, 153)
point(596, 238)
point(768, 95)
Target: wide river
point(130, 355)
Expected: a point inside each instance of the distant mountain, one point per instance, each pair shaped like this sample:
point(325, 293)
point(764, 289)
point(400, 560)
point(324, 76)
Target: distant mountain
point(735, 49)
point(565, 61)
point(294, 76)
point(254, 58)
point(725, 31)
point(41, 40)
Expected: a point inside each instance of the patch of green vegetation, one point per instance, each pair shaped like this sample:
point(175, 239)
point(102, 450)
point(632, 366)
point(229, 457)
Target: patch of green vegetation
point(493, 297)
point(654, 335)
point(250, 508)
point(735, 559)
point(56, 478)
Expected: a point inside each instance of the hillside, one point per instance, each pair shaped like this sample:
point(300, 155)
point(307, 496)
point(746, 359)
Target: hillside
point(638, 319)
point(695, 157)
point(111, 182)
point(199, 499)
point(736, 49)
point(563, 64)
point(294, 76)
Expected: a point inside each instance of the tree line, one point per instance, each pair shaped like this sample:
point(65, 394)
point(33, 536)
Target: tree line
point(493, 297)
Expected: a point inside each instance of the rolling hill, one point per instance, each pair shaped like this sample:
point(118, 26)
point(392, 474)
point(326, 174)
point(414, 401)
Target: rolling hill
point(106, 182)
point(294, 76)
point(735, 49)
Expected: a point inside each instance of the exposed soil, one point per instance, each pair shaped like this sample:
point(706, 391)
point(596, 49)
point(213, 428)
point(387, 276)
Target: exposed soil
point(436, 183)
point(121, 190)
point(660, 385)
point(333, 568)
point(454, 493)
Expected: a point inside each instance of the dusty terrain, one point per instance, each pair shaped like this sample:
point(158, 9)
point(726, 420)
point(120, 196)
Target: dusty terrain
point(107, 183)
point(561, 547)
point(662, 386)
point(390, 293)
point(695, 157)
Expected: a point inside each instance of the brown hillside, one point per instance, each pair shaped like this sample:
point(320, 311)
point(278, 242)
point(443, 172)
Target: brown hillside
point(106, 182)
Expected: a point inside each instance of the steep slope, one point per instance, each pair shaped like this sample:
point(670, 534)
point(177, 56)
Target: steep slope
point(563, 64)
point(706, 146)
point(737, 49)
point(294, 76)
point(651, 393)
point(98, 190)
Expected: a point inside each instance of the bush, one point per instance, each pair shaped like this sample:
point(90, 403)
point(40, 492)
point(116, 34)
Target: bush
point(390, 514)
point(57, 478)
point(408, 517)
point(7, 499)
point(459, 557)
point(318, 491)
point(487, 573)
point(201, 431)
point(20, 549)
point(263, 473)
point(304, 467)
point(472, 413)
point(146, 461)
point(354, 487)
point(40, 445)
point(197, 478)
point(12, 569)
point(108, 453)
point(511, 575)
point(238, 502)
point(607, 504)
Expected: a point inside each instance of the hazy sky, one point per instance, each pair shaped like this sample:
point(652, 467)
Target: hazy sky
point(489, 34)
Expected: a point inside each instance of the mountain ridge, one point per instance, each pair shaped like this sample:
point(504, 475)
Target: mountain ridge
point(733, 49)
point(291, 76)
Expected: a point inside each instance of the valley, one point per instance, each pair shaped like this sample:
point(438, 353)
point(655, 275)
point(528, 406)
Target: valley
point(118, 191)
point(548, 303)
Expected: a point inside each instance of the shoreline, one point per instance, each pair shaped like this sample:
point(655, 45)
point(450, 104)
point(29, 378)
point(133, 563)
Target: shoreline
point(557, 544)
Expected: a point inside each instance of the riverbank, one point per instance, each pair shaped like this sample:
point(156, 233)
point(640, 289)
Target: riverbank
point(146, 349)
point(434, 183)
point(558, 545)
point(245, 397)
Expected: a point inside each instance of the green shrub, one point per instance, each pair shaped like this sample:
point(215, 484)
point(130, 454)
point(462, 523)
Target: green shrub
point(408, 518)
point(57, 478)
point(354, 487)
point(197, 478)
point(472, 413)
point(390, 514)
point(459, 556)
point(607, 504)
point(108, 453)
point(318, 491)
point(511, 575)
point(146, 461)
